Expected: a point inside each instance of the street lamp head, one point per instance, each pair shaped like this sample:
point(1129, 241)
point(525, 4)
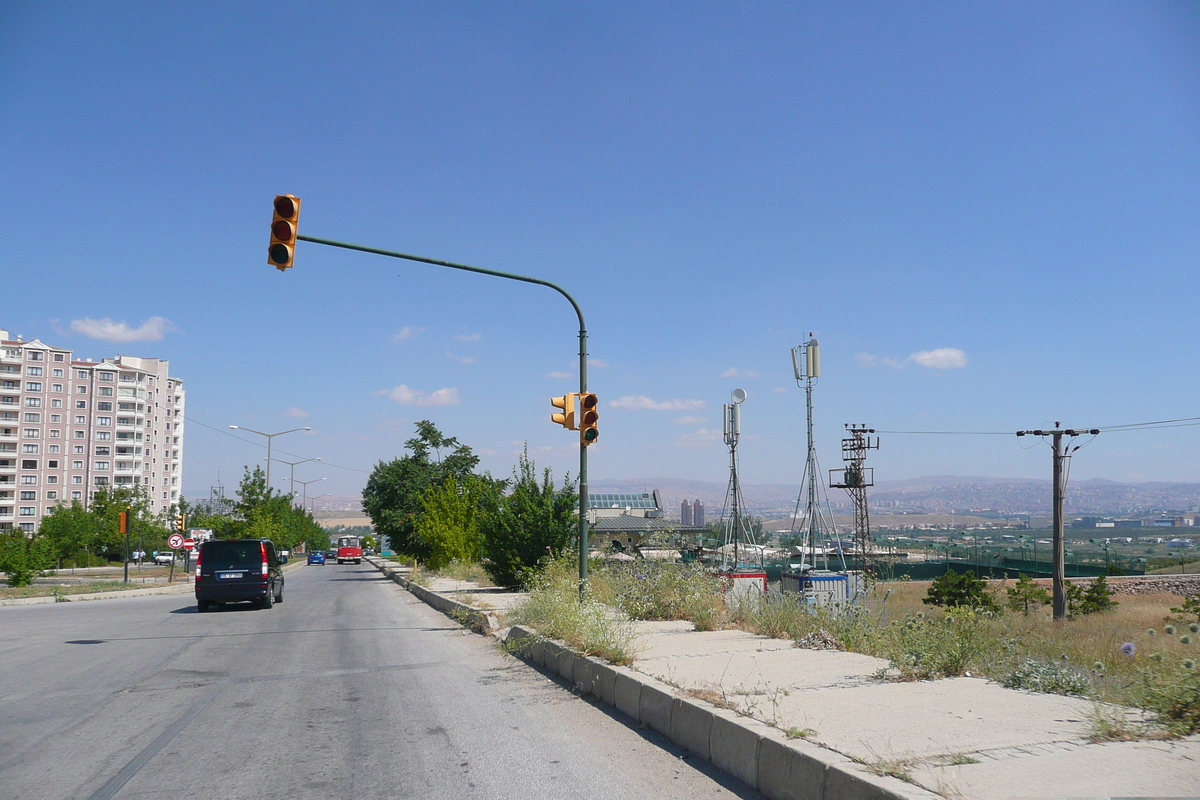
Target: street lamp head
point(308, 429)
point(233, 427)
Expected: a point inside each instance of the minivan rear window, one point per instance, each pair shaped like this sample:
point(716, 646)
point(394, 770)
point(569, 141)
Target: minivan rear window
point(224, 555)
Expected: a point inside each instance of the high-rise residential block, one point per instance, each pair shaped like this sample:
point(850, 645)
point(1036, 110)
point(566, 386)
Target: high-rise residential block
point(69, 426)
point(698, 514)
point(685, 513)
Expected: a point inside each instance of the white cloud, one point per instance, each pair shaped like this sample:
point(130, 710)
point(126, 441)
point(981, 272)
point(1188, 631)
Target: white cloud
point(461, 359)
point(739, 373)
point(689, 420)
point(943, 358)
point(643, 403)
point(596, 362)
point(558, 374)
point(402, 395)
point(779, 390)
point(468, 337)
point(151, 330)
point(701, 438)
point(406, 333)
point(297, 413)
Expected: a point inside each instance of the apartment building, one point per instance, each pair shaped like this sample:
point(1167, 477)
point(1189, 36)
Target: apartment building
point(69, 426)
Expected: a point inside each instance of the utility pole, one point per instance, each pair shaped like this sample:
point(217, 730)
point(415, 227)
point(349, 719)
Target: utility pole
point(855, 478)
point(1060, 491)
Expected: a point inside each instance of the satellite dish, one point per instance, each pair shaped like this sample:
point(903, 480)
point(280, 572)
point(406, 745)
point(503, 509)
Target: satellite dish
point(739, 395)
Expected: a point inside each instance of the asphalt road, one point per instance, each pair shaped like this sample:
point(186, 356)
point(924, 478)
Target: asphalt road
point(350, 688)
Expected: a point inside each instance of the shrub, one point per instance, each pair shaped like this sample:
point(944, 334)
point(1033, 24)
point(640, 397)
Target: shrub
point(1049, 677)
point(954, 590)
point(921, 648)
point(1096, 599)
point(1026, 593)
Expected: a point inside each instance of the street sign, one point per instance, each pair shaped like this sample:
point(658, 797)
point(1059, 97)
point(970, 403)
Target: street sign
point(175, 542)
point(189, 544)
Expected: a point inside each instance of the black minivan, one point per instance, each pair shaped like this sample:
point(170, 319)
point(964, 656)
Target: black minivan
point(232, 570)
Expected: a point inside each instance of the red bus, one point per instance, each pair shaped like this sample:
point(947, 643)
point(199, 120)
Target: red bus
point(349, 549)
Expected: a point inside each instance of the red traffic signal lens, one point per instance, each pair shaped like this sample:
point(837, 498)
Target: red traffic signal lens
point(588, 401)
point(285, 206)
point(283, 230)
point(280, 253)
point(590, 417)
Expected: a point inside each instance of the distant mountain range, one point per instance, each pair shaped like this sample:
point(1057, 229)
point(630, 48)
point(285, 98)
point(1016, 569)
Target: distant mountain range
point(935, 494)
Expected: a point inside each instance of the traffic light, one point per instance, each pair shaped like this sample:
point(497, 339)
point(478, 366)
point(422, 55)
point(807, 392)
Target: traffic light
point(180, 523)
point(589, 415)
point(283, 231)
point(567, 417)
point(123, 522)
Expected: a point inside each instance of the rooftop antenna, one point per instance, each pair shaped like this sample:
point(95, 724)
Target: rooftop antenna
point(814, 526)
point(734, 528)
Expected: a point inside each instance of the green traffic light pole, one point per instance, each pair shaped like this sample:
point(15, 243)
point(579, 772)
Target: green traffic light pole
point(583, 485)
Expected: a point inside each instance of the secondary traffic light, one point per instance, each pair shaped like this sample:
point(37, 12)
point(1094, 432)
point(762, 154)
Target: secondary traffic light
point(283, 231)
point(180, 523)
point(123, 522)
point(589, 415)
point(567, 417)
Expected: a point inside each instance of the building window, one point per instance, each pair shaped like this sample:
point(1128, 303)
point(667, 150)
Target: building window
point(52, 495)
point(105, 391)
point(56, 387)
point(34, 355)
point(106, 376)
point(27, 527)
point(78, 450)
point(103, 436)
point(34, 371)
point(29, 448)
point(81, 403)
point(52, 448)
point(51, 479)
point(33, 402)
point(101, 480)
point(80, 419)
point(101, 465)
point(81, 375)
point(55, 433)
point(33, 433)
point(29, 495)
point(29, 480)
point(29, 463)
point(57, 371)
point(33, 386)
point(53, 464)
point(81, 389)
point(28, 511)
point(80, 434)
point(104, 421)
point(56, 403)
point(104, 406)
point(103, 450)
point(76, 495)
point(58, 357)
point(56, 417)
point(76, 465)
point(33, 416)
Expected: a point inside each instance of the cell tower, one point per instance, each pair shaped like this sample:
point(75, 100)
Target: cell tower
point(737, 534)
point(814, 525)
point(855, 477)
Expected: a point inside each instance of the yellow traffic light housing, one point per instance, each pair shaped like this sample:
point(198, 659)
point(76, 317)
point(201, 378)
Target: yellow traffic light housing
point(123, 522)
point(283, 231)
point(567, 417)
point(180, 523)
point(589, 416)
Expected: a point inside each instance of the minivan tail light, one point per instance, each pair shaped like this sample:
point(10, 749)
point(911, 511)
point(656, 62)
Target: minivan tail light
point(197, 563)
point(265, 569)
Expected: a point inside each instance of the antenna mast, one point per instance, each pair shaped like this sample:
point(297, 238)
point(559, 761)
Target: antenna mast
point(855, 477)
point(814, 525)
point(733, 495)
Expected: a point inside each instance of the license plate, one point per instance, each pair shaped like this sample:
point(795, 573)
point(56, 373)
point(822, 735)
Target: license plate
point(224, 575)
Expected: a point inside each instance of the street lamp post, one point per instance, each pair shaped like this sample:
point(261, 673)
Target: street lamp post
point(304, 485)
point(292, 475)
point(269, 436)
point(314, 500)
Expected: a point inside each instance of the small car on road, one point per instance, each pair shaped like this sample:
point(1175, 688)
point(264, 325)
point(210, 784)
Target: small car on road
point(316, 557)
point(232, 570)
point(164, 557)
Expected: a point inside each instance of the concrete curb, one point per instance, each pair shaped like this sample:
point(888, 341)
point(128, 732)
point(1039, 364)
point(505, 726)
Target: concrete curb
point(179, 588)
point(755, 753)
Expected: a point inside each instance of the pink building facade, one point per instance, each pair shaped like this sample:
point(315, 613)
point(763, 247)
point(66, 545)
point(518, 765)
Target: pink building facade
point(69, 426)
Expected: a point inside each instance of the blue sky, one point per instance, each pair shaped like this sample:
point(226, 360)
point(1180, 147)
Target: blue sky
point(986, 213)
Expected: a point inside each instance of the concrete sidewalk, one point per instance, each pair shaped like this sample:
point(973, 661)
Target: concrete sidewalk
point(732, 696)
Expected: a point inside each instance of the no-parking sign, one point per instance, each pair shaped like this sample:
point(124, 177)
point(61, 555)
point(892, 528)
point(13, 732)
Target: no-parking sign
point(175, 541)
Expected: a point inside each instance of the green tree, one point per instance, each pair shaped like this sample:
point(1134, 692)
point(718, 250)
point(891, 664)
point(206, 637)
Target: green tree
point(70, 530)
point(1026, 593)
point(953, 590)
point(532, 523)
point(24, 557)
point(1096, 599)
point(1188, 611)
point(394, 491)
point(448, 526)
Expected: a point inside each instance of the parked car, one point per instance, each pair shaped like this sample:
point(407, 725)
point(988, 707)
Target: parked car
point(331, 554)
point(316, 557)
point(165, 557)
point(237, 570)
